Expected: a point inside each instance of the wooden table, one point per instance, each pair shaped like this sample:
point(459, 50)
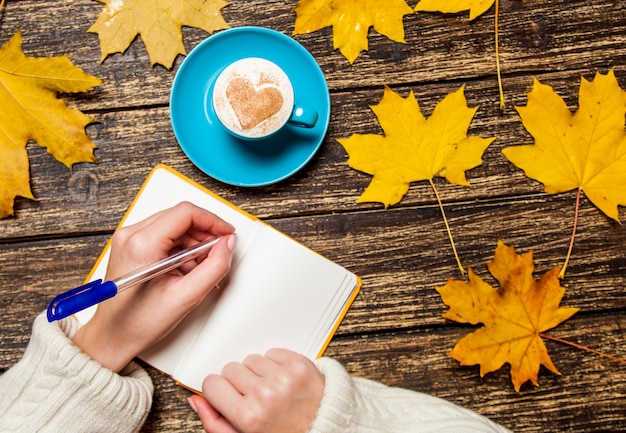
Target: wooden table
point(394, 332)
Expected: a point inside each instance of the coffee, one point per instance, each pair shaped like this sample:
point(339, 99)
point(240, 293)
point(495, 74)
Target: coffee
point(253, 98)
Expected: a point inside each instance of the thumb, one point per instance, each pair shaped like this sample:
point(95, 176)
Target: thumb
point(212, 420)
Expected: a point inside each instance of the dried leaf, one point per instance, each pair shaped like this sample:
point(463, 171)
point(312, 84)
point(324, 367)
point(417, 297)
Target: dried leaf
point(585, 150)
point(475, 7)
point(351, 21)
point(513, 316)
point(30, 110)
point(158, 22)
point(415, 148)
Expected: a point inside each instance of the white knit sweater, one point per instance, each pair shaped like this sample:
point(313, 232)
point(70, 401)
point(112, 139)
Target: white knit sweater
point(352, 405)
point(57, 388)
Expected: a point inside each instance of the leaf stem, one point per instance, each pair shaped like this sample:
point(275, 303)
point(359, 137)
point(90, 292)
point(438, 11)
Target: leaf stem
point(1, 5)
point(445, 220)
point(578, 346)
point(571, 242)
point(502, 104)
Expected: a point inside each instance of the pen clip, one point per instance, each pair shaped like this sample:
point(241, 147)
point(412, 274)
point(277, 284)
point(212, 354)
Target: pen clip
point(81, 297)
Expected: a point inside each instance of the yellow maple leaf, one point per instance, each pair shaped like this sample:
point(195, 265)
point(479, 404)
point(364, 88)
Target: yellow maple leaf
point(30, 110)
point(475, 7)
point(513, 316)
point(415, 148)
point(351, 21)
point(585, 150)
point(158, 22)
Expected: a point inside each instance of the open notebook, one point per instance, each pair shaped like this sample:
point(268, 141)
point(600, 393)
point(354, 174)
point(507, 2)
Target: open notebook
point(278, 293)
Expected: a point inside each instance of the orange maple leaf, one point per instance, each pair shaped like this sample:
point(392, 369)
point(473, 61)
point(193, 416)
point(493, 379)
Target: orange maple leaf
point(513, 316)
point(351, 21)
point(30, 110)
point(158, 22)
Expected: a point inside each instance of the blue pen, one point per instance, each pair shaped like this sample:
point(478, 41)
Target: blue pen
point(92, 293)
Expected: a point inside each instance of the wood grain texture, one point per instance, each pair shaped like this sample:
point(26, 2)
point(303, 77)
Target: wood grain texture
point(394, 332)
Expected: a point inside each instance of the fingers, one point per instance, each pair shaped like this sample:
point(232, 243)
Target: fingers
point(188, 219)
point(209, 272)
point(262, 366)
point(243, 378)
point(180, 226)
point(283, 356)
point(280, 391)
point(222, 396)
point(212, 421)
point(239, 376)
point(157, 236)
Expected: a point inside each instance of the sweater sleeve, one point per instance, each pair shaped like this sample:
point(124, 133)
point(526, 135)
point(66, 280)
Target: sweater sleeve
point(55, 387)
point(352, 405)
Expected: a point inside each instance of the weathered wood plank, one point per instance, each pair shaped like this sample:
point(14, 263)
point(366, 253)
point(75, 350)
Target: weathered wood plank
point(395, 331)
point(400, 254)
point(132, 142)
point(417, 359)
point(588, 396)
point(535, 36)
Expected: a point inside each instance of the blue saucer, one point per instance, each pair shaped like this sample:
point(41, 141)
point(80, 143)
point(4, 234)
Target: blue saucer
point(209, 146)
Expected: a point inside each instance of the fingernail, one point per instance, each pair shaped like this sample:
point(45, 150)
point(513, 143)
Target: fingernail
point(192, 404)
point(232, 243)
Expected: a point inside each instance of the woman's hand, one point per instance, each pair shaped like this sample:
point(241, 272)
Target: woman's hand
point(135, 319)
point(279, 393)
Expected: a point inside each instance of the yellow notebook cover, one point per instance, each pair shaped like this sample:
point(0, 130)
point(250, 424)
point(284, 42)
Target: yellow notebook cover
point(278, 292)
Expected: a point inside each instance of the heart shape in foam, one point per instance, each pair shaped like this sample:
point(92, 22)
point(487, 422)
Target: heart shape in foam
point(253, 105)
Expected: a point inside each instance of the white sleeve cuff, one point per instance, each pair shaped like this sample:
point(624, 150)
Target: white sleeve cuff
point(352, 405)
point(55, 387)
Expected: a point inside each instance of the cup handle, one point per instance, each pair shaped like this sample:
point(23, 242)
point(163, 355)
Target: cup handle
point(304, 117)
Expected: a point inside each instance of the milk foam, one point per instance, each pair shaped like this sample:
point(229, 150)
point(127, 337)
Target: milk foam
point(253, 97)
